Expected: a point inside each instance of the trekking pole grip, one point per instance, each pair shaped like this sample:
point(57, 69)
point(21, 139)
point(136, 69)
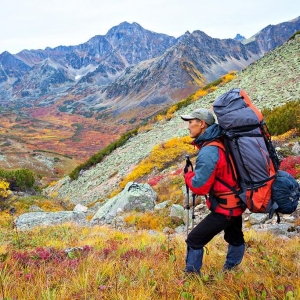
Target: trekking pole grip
point(188, 163)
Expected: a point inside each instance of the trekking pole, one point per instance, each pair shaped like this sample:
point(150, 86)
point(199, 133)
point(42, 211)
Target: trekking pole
point(188, 163)
point(187, 206)
point(193, 211)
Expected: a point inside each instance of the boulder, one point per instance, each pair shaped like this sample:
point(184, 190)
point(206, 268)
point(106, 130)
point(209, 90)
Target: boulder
point(257, 218)
point(296, 148)
point(134, 197)
point(33, 219)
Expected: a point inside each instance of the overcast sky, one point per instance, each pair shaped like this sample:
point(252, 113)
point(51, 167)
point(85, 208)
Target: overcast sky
point(37, 24)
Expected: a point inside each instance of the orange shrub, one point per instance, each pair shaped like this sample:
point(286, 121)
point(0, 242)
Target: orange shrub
point(146, 220)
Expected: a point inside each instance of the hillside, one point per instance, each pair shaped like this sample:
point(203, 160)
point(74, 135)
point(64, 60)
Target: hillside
point(271, 81)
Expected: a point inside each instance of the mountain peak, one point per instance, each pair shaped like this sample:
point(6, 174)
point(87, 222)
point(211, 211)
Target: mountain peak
point(5, 53)
point(124, 26)
point(239, 38)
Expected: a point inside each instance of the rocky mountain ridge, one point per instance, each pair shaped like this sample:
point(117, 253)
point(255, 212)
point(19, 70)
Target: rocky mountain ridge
point(129, 67)
point(271, 81)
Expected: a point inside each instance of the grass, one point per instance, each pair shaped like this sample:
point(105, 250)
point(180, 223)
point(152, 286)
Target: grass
point(68, 262)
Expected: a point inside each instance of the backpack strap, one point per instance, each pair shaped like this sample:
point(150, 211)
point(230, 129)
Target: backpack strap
point(221, 144)
point(224, 199)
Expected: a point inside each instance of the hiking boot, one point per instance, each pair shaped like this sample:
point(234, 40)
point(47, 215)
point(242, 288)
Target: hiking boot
point(234, 256)
point(193, 260)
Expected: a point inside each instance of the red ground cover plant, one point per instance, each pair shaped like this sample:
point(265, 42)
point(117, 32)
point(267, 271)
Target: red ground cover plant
point(291, 164)
point(157, 178)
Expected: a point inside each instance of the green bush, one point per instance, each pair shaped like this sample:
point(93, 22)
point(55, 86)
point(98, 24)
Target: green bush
point(20, 179)
point(284, 118)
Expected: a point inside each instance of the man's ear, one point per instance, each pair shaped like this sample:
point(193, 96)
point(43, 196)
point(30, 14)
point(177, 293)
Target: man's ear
point(203, 124)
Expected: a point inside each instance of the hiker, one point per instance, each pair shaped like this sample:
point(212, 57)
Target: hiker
point(211, 166)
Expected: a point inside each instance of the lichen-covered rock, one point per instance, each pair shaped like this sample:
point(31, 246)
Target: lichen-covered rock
point(134, 197)
point(257, 218)
point(33, 219)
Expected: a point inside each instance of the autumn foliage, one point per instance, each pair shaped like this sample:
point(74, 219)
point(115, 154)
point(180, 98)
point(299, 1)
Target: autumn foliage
point(68, 262)
point(4, 189)
point(161, 156)
point(291, 164)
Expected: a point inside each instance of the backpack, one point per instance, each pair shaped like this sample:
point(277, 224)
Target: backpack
point(263, 188)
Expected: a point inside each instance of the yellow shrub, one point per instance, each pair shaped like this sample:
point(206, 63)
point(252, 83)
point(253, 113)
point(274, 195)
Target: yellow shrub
point(160, 157)
point(114, 193)
point(4, 189)
point(201, 93)
point(171, 110)
point(228, 77)
point(48, 205)
point(54, 194)
point(285, 136)
point(159, 118)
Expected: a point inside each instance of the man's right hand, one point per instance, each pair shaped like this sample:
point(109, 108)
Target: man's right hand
point(187, 169)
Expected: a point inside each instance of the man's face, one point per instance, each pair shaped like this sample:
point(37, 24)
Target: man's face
point(196, 127)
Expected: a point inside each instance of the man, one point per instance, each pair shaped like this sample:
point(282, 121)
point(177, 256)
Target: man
point(212, 175)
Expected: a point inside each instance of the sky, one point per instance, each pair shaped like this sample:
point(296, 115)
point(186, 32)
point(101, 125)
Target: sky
point(37, 24)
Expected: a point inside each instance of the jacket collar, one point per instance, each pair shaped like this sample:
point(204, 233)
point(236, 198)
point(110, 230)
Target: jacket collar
point(211, 133)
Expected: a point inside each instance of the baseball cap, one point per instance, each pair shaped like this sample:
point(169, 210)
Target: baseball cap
point(200, 114)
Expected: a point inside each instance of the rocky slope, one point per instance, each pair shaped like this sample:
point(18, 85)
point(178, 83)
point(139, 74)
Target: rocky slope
point(270, 81)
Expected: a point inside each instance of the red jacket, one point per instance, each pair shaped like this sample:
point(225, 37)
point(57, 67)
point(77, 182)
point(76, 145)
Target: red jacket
point(211, 164)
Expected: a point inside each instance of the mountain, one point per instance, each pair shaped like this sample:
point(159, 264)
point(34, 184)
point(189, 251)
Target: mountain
point(272, 36)
point(98, 61)
point(129, 68)
point(192, 62)
point(270, 81)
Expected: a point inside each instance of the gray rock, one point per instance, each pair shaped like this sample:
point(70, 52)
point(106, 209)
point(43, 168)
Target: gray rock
point(80, 207)
point(180, 229)
point(257, 218)
point(177, 211)
point(33, 219)
point(282, 229)
point(162, 205)
point(35, 208)
point(135, 197)
point(296, 148)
